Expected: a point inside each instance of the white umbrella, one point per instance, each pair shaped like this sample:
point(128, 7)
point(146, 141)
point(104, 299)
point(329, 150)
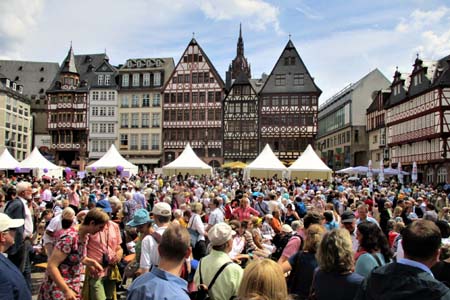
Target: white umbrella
point(414, 173)
point(400, 173)
point(381, 174)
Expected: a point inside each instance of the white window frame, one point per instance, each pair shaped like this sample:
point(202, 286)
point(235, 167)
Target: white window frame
point(156, 120)
point(107, 79)
point(135, 79)
point(125, 80)
point(124, 120)
point(144, 141)
point(100, 79)
point(157, 79)
point(155, 141)
point(146, 79)
point(156, 100)
point(135, 120)
point(145, 120)
point(133, 141)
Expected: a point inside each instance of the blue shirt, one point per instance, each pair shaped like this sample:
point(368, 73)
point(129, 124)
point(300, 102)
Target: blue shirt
point(158, 285)
point(12, 282)
point(416, 264)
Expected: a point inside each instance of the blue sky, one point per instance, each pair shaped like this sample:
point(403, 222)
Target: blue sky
point(339, 41)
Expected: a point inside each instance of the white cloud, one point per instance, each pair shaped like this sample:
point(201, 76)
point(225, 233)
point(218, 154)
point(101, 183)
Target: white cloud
point(260, 14)
point(16, 19)
point(308, 12)
point(420, 20)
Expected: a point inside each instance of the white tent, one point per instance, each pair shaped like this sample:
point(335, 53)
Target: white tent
point(266, 165)
point(40, 165)
point(187, 162)
point(111, 160)
point(309, 165)
point(7, 161)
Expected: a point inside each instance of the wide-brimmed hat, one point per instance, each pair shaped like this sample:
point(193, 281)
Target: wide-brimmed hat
point(6, 222)
point(140, 217)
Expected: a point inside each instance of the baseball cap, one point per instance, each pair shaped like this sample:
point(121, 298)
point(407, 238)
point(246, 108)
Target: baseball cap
point(347, 217)
point(220, 233)
point(6, 222)
point(162, 209)
point(140, 217)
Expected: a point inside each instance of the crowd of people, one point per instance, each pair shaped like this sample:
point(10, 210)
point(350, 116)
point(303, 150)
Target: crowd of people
point(187, 237)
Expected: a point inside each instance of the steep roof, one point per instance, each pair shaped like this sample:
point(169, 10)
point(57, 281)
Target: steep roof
point(36, 77)
point(68, 65)
point(289, 70)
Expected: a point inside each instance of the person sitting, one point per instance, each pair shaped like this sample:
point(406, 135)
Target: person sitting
point(410, 277)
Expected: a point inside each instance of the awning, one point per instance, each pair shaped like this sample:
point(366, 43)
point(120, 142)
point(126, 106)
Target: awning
point(144, 161)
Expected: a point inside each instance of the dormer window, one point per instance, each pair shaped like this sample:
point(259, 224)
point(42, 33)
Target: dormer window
point(397, 89)
point(14, 86)
point(20, 68)
point(158, 63)
point(129, 64)
point(139, 64)
point(100, 79)
point(149, 63)
point(42, 69)
point(418, 79)
point(42, 79)
point(107, 79)
point(7, 83)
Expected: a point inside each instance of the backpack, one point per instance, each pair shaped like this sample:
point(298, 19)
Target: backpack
point(300, 208)
point(202, 290)
point(280, 242)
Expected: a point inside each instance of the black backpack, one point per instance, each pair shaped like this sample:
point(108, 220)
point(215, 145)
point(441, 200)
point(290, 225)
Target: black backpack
point(280, 241)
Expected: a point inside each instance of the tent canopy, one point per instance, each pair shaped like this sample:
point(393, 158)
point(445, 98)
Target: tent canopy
point(265, 165)
point(309, 165)
point(40, 165)
point(111, 160)
point(7, 161)
point(187, 162)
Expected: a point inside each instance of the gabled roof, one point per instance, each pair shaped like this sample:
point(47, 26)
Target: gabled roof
point(309, 85)
point(374, 105)
point(194, 42)
point(68, 65)
point(36, 77)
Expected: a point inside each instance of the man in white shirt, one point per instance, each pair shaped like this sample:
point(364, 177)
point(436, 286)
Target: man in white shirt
point(162, 214)
point(216, 215)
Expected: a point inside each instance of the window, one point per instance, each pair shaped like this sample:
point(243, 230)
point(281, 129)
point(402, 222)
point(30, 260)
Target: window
point(103, 145)
point(430, 175)
point(135, 101)
point(94, 146)
point(124, 139)
point(102, 111)
point(156, 100)
point(111, 96)
point(356, 136)
point(284, 101)
point(107, 79)
point(378, 157)
point(133, 141)
point(418, 79)
point(124, 101)
point(124, 120)
point(442, 175)
point(375, 139)
point(110, 128)
point(156, 79)
point(145, 120)
point(95, 111)
point(134, 120)
point(155, 141)
point(94, 96)
point(156, 120)
point(280, 79)
point(144, 141)
point(103, 95)
point(294, 100)
point(125, 80)
point(146, 100)
point(102, 128)
point(136, 79)
point(146, 79)
point(299, 79)
point(94, 128)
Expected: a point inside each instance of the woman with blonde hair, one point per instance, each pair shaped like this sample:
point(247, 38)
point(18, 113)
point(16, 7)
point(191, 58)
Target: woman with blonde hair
point(335, 278)
point(263, 279)
point(196, 228)
point(303, 263)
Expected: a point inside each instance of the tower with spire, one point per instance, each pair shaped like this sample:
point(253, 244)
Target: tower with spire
point(239, 64)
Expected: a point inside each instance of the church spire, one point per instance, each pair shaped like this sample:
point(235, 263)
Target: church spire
point(69, 63)
point(240, 44)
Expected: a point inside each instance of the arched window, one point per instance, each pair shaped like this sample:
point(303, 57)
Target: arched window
point(430, 175)
point(442, 174)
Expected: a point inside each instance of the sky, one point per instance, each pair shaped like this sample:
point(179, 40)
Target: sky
point(339, 41)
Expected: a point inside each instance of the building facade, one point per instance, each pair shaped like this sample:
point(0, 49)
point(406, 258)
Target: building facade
point(68, 108)
point(288, 106)
point(376, 129)
point(342, 139)
point(418, 120)
point(192, 105)
point(103, 109)
point(140, 109)
point(35, 77)
point(15, 119)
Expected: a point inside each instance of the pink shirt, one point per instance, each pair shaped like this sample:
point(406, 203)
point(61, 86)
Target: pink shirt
point(245, 214)
point(106, 241)
point(74, 199)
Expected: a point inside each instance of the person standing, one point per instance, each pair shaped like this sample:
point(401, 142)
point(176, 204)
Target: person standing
point(163, 282)
point(410, 277)
point(12, 281)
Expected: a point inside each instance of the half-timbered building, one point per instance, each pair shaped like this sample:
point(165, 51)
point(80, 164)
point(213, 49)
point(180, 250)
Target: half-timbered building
point(418, 118)
point(376, 128)
point(192, 107)
point(67, 111)
point(288, 106)
point(240, 120)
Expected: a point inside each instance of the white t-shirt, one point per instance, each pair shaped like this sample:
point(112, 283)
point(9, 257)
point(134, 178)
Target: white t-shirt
point(149, 250)
point(53, 226)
